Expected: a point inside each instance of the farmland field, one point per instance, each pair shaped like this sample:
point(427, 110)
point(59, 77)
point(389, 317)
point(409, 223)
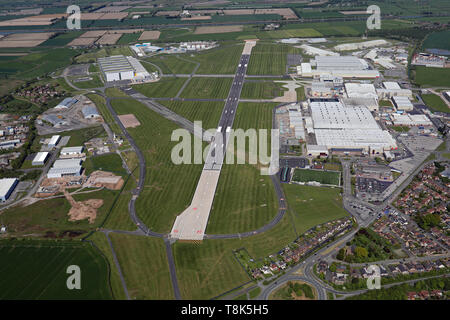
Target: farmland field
point(106, 162)
point(223, 60)
point(311, 206)
point(144, 264)
point(323, 177)
point(172, 64)
point(61, 39)
point(37, 270)
point(205, 111)
point(269, 59)
point(435, 103)
point(202, 88)
point(164, 88)
point(432, 77)
point(127, 38)
point(168, 187)
point(438, 40)
point(261, 90)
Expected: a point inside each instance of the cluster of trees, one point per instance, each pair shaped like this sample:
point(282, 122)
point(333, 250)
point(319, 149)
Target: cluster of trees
point(427, 221)
point(368, 246)
point(300, 289)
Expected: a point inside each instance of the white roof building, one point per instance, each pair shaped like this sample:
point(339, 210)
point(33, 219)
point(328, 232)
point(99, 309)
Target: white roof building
point(72, 150)
point(60, 172)
point(402, 103)
point(313, 51)
point(67, 163)
point(337, 66)
point(7, 186)
point(40, 159)
point(410, 120)
point(360, 45)
point(340, 127)
point(90, 112)
point(391, 85)
point(66, 103)
point(360, 90)
point(54, 140)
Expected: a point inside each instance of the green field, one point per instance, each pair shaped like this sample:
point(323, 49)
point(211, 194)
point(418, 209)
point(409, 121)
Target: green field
point(262, 90)
point(106, 162)
point(435, 103)
point(115, 93)
point(222, 60)
point(311, 206)
point(96, 82)
point(168, 187)
point(144, 265)
point(61, 39)
point(127, 38)
point(36, 270)
point(171, 64)
point(294, 290)
point(203, 88)
point(119, 216)
point(437, 40)
point(37, 64)
point(432, 77)
point(205, 111)
point(270, 59)
point(323, 177)
point(164, 88)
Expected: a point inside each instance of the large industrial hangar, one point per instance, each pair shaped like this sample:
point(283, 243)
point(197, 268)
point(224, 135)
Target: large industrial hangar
point(336, 126)
point(117, 68)
point(7, 186)
point(337, 66)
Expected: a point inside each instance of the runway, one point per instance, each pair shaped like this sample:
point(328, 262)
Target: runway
point(191, 223)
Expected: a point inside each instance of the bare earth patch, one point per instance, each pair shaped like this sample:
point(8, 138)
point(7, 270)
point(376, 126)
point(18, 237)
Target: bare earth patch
point(109, 38)
point(149, 35)
point(81, 210)
point(129, 120)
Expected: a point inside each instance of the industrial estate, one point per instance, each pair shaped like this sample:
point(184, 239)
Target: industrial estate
point(356, 185)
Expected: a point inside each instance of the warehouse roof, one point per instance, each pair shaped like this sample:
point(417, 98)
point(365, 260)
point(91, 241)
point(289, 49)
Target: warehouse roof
point(360, 90)
point(40, 157)
point(77, 149)
point(62, 171)
point(334, 115)
point(66, 103)
point(391, 85)
point(117, 63)
point(5, 185)
point(339, 62)
point(89, 111)
point(54, 139)
point(67, 163)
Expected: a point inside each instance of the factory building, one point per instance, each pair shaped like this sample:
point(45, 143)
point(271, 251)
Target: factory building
point(90, 112)
point(313, 51)
point(61, 172)
point(410, 120)
point(360, 45)
point(369, 103)
point(67, 163)
point(428, 60)
point(8, 144)
point(447, 95)
point(402, 103)
point(54, 120)
point(66, 103)
point(360, 90)
point(7, 186)
point(340, 127)
point(54, 141)
point(40, 159)
point(116, 68)
point(72, 151)
point(341, 66)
